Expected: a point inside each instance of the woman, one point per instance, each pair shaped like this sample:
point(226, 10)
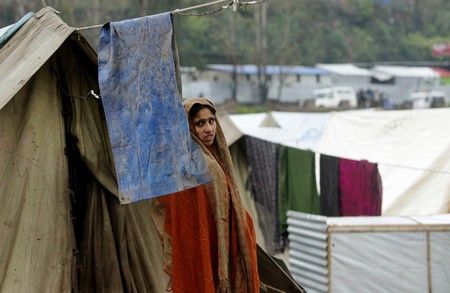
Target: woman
point(209, 240)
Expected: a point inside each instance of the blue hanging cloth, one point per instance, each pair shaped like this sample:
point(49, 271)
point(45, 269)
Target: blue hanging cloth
point(153, 151)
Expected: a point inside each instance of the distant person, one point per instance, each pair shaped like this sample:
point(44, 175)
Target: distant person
point(360, 96)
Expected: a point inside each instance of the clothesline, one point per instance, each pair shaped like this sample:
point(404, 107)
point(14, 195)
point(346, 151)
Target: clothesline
point(235, 4)
point(377, 162)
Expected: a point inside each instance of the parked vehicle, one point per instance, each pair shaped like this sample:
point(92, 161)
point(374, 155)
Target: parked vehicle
point(334, 97)
point(423, 100)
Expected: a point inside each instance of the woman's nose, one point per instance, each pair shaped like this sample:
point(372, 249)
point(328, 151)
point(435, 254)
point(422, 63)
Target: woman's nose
point(208, 128)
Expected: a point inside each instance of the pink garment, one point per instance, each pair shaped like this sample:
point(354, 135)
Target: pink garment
point(360, 188)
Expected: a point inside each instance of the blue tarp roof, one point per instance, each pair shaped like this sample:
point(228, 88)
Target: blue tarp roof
point(270, 69)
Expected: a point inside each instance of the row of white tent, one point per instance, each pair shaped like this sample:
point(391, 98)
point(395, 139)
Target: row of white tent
point(411, 148)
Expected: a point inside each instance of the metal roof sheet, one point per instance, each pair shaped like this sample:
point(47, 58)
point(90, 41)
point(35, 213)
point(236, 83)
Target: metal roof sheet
point(270, 69)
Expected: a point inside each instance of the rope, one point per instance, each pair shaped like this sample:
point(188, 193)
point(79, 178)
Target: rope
point(235, 4)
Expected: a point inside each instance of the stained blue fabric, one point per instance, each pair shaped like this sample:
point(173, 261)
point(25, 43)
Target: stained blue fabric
point(153, 151)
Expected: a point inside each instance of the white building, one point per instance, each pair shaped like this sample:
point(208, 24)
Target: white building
point(290, 84)
point(403, 80)
point(285, 83)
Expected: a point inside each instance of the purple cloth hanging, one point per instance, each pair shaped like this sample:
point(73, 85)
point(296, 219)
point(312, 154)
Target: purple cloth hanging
point(360, 188)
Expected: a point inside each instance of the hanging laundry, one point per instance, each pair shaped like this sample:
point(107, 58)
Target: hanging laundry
point(148, 129)
point(298, 191)
point(263, 161)
point(329, 186)
point(360, 188)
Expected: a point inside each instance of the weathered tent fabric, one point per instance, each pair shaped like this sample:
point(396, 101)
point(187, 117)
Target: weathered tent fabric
point(360, 188)
point(297, 183)
point(26, 53)
point(329, 186)
point(36, 250)
point(119, 249)
point(143, 110)
point(37, 239)
point(412, 149)
point(263, 160)
point(274, 274)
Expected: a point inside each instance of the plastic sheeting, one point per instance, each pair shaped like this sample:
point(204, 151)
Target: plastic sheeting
point(154, 153)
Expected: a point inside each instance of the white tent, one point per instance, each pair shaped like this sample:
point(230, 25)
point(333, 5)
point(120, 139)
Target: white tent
point(412, 149)
point(299, 130)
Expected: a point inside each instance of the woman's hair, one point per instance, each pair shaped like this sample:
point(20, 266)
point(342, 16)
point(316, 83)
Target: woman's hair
point(197, 107)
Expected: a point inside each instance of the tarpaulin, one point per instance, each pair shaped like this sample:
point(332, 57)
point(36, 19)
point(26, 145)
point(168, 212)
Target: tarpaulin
point(152, 148)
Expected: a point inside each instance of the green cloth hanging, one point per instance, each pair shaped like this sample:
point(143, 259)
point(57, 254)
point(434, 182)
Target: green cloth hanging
point(297, 183)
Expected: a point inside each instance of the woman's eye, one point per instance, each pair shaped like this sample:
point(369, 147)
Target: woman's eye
point(212, 120)
point(199, 124)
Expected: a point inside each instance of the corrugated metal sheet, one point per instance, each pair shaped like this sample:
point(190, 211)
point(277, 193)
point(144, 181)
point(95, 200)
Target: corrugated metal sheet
point(308, 241)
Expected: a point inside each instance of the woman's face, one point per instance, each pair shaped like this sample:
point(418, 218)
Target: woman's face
point(205, 126)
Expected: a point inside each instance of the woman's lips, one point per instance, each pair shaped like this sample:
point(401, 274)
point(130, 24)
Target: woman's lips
point(209, 138)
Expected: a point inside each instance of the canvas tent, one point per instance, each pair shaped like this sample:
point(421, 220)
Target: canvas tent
point(63, 228)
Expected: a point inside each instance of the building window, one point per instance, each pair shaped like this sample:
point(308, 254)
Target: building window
point(248, 77)
point(318, 78)
point(215, 78)
point(299, 78)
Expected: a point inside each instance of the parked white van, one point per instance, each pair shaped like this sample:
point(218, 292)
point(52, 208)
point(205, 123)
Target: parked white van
point(333, 97)
point(422, 100)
